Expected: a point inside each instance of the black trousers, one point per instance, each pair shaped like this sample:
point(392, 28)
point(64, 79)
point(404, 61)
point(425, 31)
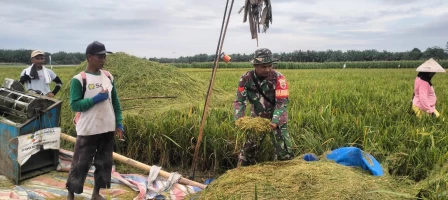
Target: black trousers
point(98, 148)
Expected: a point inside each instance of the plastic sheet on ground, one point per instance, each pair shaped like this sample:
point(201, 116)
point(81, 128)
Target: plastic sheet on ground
point(124, 186)
point(352, 156)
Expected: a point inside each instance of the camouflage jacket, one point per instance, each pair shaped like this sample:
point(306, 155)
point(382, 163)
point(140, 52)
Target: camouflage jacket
point(274, 87)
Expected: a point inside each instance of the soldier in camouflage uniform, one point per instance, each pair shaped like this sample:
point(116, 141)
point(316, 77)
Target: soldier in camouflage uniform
point(271, 103)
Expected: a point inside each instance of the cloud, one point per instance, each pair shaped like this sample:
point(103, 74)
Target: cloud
point(158, 28)
point(398, 2)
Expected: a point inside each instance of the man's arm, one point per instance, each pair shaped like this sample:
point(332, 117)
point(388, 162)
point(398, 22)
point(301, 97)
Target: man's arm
point(117, 106)
point(57, 80)
point(58, 86)
point(239, 104)
point(23, 77)
point(280, 116)
point(77, 101)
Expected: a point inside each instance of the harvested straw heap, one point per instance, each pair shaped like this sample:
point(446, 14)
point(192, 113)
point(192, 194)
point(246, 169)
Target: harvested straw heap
point(253, 125)
point(298, 179)
point(137, 78)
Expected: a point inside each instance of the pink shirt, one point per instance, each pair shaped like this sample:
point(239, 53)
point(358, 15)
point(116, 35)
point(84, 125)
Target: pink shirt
point(425, 97)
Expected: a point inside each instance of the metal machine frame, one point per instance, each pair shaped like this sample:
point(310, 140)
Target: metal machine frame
point(48, 117)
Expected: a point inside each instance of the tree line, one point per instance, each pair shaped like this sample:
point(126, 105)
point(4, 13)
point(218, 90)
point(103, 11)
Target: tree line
point(66, 58)
point(324, 56)
point(23, 56)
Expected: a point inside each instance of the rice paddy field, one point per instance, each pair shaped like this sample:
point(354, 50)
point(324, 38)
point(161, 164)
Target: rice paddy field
point(329, 108)
point(318, 65)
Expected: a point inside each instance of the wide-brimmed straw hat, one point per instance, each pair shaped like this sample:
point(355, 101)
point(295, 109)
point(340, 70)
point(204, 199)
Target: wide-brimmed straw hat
point(430, 66)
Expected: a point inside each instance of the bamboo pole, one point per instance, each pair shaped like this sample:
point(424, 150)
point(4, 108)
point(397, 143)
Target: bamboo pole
point(149, 97)
point(210, 88)
point(140, 165)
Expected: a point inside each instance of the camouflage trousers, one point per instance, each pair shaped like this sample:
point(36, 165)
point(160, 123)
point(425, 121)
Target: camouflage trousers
point(280, 140)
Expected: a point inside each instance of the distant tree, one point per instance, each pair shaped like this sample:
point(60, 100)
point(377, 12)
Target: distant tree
point(64, 58)
point(415, 54)
point(446, 50)
point(435, 52)
point(153, 59)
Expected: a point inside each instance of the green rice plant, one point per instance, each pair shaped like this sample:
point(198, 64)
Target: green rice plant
point(328, 109)
point(316, 65)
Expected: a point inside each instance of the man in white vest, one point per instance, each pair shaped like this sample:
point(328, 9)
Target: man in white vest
point(94, 97)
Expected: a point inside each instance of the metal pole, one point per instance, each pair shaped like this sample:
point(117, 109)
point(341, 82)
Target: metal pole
point(50, 62)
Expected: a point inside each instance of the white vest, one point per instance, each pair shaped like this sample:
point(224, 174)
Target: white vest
point(101, 117)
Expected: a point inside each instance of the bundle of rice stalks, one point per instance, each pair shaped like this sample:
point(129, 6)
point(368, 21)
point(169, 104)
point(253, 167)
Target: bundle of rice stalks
point(253, 125)
point(298, 179)
point(253, 128)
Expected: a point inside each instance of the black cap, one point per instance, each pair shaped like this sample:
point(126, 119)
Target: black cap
point(96, 48)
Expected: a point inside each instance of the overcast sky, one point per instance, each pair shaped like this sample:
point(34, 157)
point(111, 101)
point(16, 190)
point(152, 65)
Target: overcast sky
point(173, 28)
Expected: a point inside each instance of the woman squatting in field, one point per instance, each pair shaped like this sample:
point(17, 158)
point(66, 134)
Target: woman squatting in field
point(424, 100)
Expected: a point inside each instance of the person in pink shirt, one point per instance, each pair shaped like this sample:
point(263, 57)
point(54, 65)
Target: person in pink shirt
point(424, 100)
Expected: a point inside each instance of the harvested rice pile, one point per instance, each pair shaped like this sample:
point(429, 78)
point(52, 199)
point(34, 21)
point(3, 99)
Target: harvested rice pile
point(298, 179)
point(137, 78)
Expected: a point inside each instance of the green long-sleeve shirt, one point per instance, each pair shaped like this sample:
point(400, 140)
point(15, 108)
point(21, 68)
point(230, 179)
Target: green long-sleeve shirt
point(79, 104)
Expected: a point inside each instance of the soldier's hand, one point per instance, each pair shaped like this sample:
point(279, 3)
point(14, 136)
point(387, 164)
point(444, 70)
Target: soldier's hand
point(274, 126)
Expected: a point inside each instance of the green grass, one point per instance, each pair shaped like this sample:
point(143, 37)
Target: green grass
point(329, 108)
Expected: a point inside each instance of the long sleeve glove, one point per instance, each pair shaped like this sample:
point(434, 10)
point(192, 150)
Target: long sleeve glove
point(100, 97)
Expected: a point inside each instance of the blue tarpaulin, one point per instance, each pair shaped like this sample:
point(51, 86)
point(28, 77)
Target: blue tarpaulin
point(352, 156)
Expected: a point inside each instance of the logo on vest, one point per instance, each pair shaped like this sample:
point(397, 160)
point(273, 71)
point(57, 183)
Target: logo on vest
point(94, 86)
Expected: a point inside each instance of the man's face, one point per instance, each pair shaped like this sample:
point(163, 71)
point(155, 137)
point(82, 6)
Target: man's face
point(38, 60)
point(97, 61)
point(263, 70)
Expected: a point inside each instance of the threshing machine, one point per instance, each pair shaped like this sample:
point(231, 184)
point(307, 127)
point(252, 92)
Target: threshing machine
point(22, 115)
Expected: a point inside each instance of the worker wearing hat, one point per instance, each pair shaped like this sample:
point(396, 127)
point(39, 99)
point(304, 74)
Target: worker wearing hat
point(37, 77)
point(94, 97)
point(267, 92)
point(424, 99)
